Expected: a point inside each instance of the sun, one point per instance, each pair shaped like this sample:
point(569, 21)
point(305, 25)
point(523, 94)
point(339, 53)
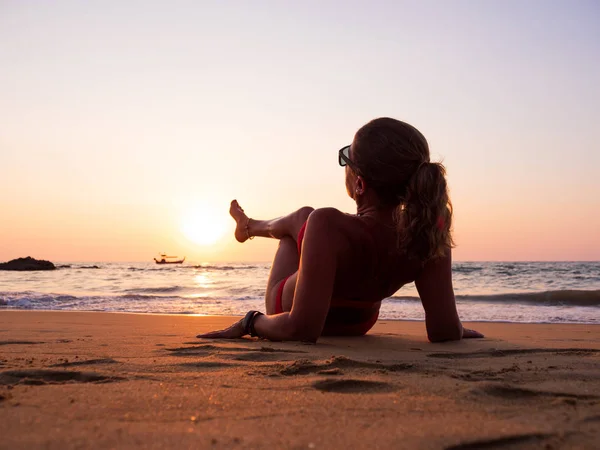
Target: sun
point(203, 225)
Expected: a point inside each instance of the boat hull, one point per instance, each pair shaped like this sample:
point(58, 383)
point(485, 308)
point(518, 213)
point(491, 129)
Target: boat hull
point(163, 261)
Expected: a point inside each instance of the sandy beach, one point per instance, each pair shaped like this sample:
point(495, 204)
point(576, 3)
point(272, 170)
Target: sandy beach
point(105, 380)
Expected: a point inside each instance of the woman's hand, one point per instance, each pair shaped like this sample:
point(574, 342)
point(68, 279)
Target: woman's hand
point(235, 331)
point(470, 334)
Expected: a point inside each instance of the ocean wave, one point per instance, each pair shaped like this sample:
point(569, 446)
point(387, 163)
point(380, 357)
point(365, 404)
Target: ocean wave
point(156, 290)
point(543, 307)
point(148, 297)
point(459, 268)
point(549, 298)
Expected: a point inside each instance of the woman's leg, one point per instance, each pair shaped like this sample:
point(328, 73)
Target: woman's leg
point(287, 259)
point(283, 270)
point(275, 228)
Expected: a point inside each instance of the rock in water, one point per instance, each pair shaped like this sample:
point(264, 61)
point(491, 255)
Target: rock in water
point(28, 263)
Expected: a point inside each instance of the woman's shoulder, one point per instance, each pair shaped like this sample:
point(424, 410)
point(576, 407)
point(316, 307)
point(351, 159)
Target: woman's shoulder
point(325, 230)
point(332, 218)
point(328, 213)
point(341, 226)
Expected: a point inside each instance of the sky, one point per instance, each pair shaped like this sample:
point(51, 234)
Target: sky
point(126, 127)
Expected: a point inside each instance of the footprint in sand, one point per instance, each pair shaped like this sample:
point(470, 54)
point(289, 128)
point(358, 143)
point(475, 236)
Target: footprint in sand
point(89, 362)
point(352, 386)
point(259, 356)
point(202, 350)
point(41, 376)
point(485, 375)
point(515, 392)
point(592, 419)
point(330, 372)
point(516, 351)
point(263, 354)
point(20, 343)
point(477, 375)
point(501, 442)
point(207, 365)
point(304, 366)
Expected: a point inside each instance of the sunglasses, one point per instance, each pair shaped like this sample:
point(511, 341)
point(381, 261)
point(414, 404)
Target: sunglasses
point(344, 158)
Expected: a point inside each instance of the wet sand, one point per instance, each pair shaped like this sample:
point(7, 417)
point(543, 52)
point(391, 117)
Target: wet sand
point(102, 380)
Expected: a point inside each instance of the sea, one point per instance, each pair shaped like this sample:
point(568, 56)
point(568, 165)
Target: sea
point(528, 292)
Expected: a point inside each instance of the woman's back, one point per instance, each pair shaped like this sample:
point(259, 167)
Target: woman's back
point(371, 267)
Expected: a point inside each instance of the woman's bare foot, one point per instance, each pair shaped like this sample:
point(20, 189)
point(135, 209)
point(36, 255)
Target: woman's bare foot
point(241, 219)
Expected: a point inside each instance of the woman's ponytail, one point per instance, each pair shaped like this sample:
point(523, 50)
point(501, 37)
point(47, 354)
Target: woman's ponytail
point(424, 217)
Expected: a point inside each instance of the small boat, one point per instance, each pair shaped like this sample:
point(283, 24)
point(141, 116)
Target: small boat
point(164, 259)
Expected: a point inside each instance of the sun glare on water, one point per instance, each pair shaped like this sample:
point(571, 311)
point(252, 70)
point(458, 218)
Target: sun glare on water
point(203, 225)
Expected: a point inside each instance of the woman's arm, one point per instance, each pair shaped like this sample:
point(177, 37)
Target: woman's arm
point(434, 285)
point(314, 287)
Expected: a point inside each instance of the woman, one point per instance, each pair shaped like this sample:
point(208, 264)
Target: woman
point(332, 270)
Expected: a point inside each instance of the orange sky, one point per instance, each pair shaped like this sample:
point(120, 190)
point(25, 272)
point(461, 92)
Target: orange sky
point(111, 134)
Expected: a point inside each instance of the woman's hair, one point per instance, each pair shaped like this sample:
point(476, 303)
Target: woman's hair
point(393, 157)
